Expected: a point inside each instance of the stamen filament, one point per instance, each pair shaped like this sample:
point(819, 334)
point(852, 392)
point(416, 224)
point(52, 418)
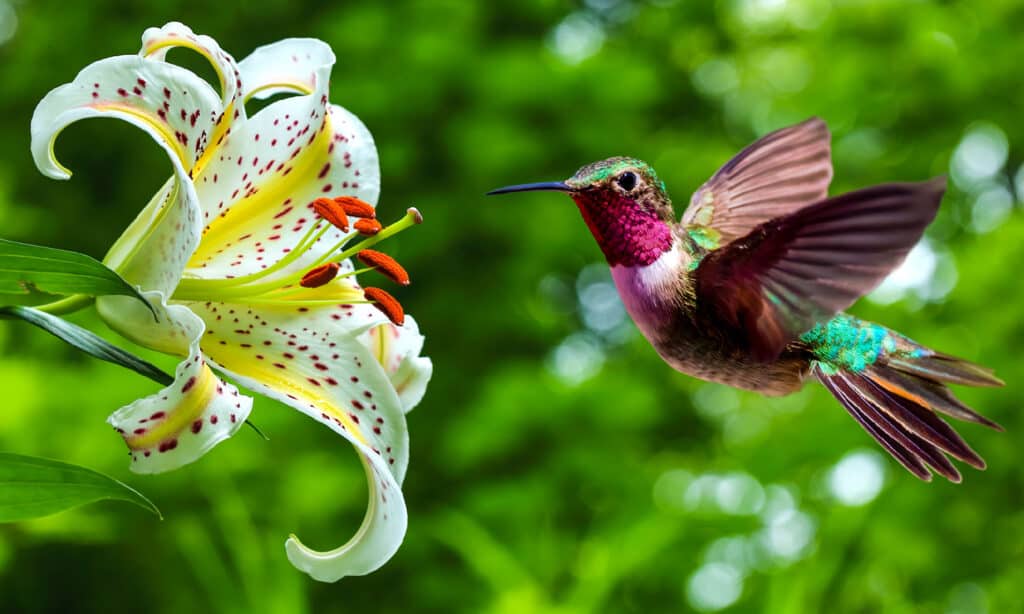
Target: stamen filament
point(206, 289)
point(190, 285)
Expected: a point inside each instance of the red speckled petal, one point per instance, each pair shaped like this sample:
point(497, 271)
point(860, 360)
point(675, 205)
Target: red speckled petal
point(287, 66)
point(397, 349)
point(313, 360)
point(173, 105)
point(184, 420)
point(257, 210)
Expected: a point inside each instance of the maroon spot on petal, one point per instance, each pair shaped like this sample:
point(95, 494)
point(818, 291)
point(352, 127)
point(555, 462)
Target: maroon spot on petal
point(158, 415)
point(197, 425)
point(213, 419)
point(168, 445)
point(121, 91)
point(189, 384)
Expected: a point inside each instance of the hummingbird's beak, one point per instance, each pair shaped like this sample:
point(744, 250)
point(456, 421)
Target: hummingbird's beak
point(550, 186)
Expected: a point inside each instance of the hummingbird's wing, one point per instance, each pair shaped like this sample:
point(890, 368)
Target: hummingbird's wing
point(787, 274)
point(782, 172)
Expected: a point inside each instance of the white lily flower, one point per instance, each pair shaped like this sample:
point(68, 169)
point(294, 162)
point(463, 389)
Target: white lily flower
point(224, 252)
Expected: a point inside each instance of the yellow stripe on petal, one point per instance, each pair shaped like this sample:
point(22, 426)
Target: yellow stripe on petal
point(250, 214)
point(180, 423)
point(198, 391)
point(294, 86)
point(167, 43)
point(220, 132)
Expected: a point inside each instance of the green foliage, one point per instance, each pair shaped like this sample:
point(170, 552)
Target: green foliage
point(86, 341)
point(33, 487)
point(557, 464)
point(30, 269)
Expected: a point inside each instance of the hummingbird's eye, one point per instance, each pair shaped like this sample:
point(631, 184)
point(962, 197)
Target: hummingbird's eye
point(627, 181)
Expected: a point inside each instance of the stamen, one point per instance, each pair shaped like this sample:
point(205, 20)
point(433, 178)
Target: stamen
point(385, 264)
point(332, 212)
point(267, 281)
point(356, 207)
point(320, 275)
point(368, 227)
point(388, 304)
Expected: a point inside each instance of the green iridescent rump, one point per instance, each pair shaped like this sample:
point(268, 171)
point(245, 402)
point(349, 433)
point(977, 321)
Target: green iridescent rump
point(705, 236)
point(847, 343)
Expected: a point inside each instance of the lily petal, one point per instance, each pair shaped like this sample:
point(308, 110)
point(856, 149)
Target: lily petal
point(184, 420)
point(313, 361)
point(173, 105)
point(397, 349)
point(153, 252)
point(156, 42)
point(287, 66)
point(290, 153)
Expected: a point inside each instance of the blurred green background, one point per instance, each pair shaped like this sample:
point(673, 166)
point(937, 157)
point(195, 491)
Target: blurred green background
point(557, 464)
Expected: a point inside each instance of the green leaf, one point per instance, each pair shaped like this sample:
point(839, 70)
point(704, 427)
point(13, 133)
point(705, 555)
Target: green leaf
point(27, 269)
point(31, 487)
point(87, 341)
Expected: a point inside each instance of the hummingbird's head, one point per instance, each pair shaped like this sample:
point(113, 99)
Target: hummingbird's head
point(624, 204)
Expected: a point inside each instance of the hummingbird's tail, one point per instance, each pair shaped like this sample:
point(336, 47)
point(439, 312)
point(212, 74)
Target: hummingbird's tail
point(895, 388)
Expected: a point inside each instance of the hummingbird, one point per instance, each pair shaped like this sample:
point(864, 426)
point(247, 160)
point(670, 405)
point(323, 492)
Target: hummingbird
point(748, 287)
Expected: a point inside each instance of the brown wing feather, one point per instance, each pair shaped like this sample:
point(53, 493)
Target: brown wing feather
point(792, 272)
point(778, 174)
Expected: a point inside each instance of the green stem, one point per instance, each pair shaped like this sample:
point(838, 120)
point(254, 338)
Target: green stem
point(68, 304)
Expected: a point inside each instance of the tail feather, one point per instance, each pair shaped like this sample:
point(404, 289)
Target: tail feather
point(926, 393)
point(897, 406)
point(948, 369)
point(896, 443)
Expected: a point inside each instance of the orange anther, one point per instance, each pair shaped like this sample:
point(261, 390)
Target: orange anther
point(385, 264)
point(368, 226)
point(386, 303)
point(320, 275)
point(332, 212)
point(356, 207)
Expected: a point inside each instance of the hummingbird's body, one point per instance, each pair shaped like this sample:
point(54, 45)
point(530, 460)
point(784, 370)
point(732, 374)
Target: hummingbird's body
point(656, 297)
point(747, 289)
